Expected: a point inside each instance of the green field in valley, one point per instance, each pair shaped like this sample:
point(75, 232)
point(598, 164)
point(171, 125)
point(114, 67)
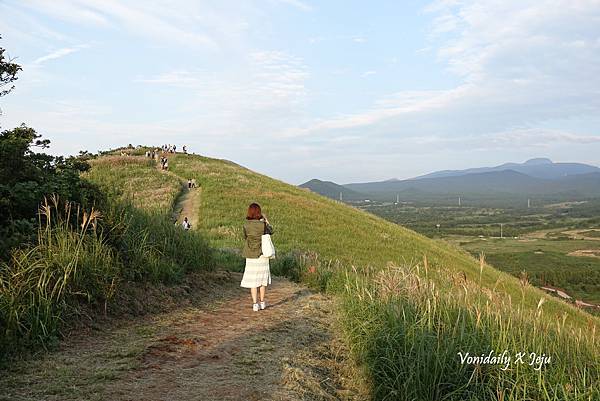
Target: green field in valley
point(545, 262)
point(552, 245)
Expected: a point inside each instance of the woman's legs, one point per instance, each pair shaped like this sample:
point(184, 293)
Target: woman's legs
point(263, 289)
point(253, 293)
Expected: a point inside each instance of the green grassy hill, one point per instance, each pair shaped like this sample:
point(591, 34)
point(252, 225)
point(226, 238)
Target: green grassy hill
point(308, 222)
point(408, 304)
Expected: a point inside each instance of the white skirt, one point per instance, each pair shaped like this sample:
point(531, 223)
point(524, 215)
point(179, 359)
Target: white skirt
point(256, 273)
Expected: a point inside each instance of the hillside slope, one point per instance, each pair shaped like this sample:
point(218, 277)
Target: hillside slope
point(409, 306)
point(193, 336)
point(306, 221)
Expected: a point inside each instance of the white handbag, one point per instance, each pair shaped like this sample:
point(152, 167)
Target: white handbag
point(267, 247)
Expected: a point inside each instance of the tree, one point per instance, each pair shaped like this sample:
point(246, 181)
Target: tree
point(26, 177)
point(8, 73)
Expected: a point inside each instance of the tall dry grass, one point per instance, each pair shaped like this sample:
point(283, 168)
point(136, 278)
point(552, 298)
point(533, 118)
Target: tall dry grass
point(83, 256)
point(409, 330)
point(69, 262)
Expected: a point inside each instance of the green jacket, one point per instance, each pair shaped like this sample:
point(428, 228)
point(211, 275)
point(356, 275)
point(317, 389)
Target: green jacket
point(253, 230)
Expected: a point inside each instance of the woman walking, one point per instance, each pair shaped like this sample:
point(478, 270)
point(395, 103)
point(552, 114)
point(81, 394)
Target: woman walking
point(256, 274)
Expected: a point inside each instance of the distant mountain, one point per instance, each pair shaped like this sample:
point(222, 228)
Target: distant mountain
point(539, 168)
point(488, 183)
point(332, 190)
point(536, 177)
point(506, 181)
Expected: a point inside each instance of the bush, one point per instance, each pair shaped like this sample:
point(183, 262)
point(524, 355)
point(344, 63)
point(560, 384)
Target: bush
point(26, 177)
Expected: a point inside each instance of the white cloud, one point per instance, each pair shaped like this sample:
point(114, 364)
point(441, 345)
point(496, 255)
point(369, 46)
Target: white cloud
point(152, 18)
point(522, 63)
point(65, 51)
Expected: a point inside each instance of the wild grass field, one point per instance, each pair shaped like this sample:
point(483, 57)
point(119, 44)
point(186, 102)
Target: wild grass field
point(135, 179)
point(409, 304)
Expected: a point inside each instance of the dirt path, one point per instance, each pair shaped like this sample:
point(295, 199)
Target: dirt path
point(217, 349)
point(188, 205)
point(188, 202)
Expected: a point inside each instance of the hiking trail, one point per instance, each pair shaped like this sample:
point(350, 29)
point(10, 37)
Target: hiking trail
point(215, 348)
point(187, 204)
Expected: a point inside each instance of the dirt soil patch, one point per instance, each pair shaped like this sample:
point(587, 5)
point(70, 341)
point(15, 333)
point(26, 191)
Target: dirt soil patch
point(594, 253)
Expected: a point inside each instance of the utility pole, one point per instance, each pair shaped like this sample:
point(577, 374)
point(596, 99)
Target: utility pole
point(341, 197)
point(397, 198)
point(501, 233)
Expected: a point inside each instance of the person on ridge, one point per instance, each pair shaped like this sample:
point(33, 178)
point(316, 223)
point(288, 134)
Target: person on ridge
point(257, 275)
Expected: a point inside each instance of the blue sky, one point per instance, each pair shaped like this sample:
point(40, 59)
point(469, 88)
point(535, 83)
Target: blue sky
point(340, 90)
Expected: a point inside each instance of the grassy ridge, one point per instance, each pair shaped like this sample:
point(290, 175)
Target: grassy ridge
point(408, 337)
point(309, 222)
point(171, 251)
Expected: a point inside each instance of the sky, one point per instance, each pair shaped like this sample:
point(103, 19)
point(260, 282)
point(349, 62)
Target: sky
point(348, 91)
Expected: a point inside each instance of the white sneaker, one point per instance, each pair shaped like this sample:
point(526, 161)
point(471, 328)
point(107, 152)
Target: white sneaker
point(255, 307)
point(263, 305)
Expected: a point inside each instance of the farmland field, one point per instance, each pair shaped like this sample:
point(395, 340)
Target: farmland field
point(555, 245)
